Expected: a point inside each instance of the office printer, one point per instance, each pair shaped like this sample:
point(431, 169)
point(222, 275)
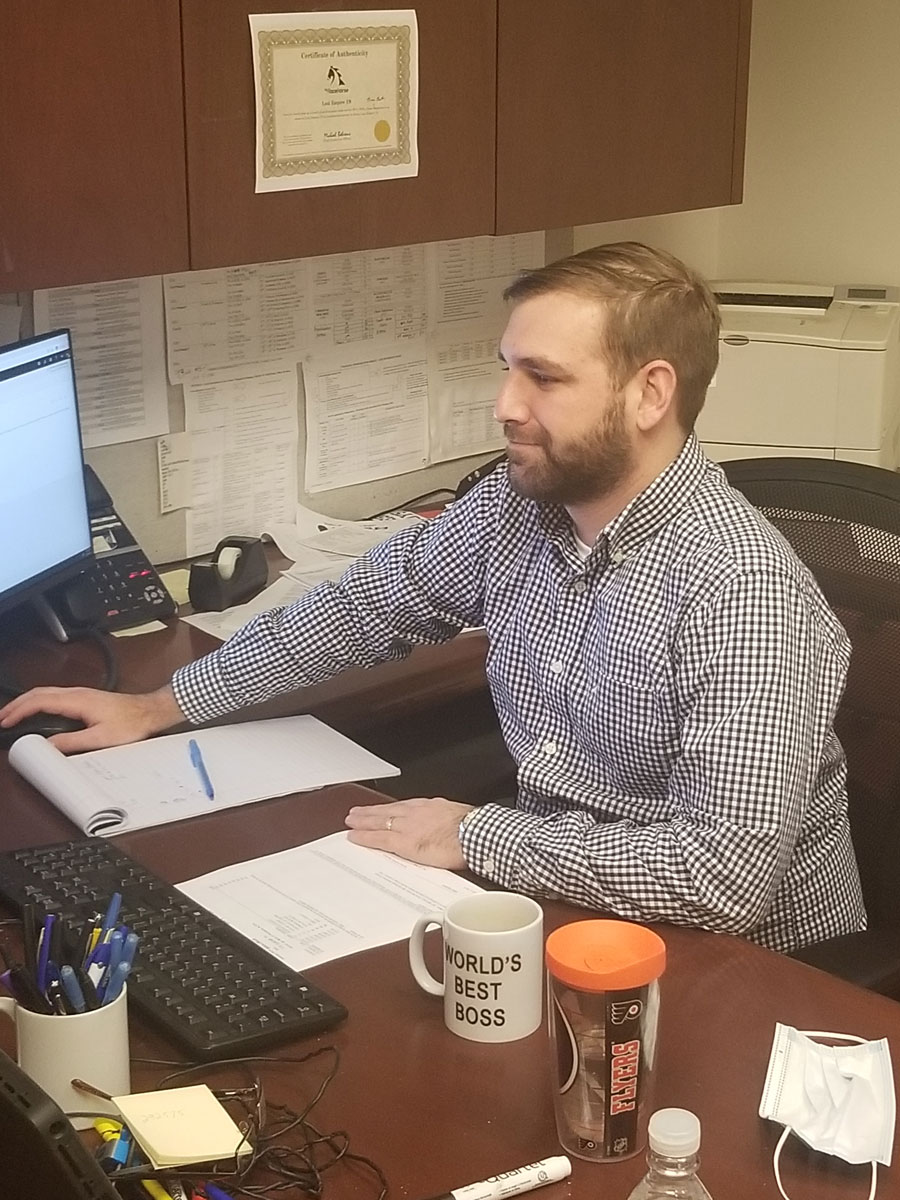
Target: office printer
point(806, 370)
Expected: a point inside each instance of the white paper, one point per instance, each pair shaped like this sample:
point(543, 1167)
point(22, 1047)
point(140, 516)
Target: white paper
point(325, 900)
point(173, 455)
point(232, 316)
point(154, 782)
point(366, 414)
point(464, 377)
point(467, 276)
point(371, 295)
point(337, 97)
point(244, 476)
point(119, 355)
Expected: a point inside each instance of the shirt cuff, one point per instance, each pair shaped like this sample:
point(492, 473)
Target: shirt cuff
point(493, 842)
point(200, 690)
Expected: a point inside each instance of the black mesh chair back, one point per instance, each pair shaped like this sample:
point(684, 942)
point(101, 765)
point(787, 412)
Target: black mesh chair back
point(843, 521)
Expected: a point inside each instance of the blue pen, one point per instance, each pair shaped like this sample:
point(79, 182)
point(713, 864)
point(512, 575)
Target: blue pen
point(112, 916)
point(200, 767)
point(115, 943)
point(44, 952)
point(216, 1193)
point(116, 983)
point(72, 988)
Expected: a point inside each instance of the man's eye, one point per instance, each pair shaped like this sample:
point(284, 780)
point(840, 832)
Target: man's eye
point(542, 380)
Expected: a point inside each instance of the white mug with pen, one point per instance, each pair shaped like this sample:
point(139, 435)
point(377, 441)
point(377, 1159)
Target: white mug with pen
point(68, 1001)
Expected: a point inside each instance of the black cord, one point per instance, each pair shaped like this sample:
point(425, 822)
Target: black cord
point(104, 643)
point(300, 1163)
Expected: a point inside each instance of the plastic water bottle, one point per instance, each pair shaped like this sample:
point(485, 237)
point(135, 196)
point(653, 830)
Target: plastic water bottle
point(672, 1159)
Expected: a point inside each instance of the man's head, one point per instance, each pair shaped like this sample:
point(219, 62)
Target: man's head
point(609, 354)
point(653, 307)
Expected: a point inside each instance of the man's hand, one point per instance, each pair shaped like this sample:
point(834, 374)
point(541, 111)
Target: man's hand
point(422, 830)
point(110, 718)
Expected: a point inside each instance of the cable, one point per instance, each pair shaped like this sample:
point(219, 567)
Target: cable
point(282, 1142)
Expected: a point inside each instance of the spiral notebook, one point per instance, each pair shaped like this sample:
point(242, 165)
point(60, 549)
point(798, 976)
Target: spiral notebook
point(112, 791)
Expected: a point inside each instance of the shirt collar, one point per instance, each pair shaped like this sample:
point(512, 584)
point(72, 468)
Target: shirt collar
point(647, 513)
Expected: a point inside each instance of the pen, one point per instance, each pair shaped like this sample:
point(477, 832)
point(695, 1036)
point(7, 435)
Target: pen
point(29, 935)
point(511, 1183)
point(216, 1193)
point(116, 983)
point(72, 988)
point(200, 767)
point(112, 915)
point(44, 952)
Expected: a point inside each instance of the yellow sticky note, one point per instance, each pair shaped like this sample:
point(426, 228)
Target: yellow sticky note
point(177, 1126)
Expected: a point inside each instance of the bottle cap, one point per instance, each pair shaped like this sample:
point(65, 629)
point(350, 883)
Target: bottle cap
point(605, 956)
point(674, 1132)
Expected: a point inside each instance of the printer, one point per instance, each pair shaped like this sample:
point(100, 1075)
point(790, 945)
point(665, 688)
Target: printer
point(805, 370)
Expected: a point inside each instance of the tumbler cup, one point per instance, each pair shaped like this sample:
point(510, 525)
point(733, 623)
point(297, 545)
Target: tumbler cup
point(602, 1006)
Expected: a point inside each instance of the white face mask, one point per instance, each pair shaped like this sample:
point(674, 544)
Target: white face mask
point(837, 1099)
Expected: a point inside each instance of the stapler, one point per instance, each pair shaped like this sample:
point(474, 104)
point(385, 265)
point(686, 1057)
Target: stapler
point(235, 573)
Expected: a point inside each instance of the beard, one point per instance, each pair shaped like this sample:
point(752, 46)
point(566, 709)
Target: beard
point(574, 473)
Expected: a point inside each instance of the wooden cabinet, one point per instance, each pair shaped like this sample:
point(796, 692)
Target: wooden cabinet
point(609, 109)
point(92, 178)
point(452, 196)
point(127, 130)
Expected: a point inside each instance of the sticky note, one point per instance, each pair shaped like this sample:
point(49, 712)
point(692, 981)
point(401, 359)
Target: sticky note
point(177, 1126)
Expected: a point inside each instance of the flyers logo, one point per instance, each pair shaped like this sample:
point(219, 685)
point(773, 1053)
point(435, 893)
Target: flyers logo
point(621, 1011)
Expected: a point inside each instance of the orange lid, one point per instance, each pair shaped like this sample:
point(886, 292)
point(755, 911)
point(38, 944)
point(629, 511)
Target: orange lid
point(605, 956)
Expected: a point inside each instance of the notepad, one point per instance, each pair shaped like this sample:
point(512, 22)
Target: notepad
point(153, 782)
point(178, 1126)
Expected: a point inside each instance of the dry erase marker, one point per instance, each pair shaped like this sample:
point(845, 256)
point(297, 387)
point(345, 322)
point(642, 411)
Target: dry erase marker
point(511, 1183)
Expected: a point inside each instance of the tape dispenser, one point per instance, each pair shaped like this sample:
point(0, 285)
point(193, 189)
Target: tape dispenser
point(235, 573)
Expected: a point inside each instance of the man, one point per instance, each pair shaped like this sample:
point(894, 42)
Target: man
point(665, 670)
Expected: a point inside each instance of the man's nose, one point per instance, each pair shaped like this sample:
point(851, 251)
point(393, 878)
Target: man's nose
point(508, 406)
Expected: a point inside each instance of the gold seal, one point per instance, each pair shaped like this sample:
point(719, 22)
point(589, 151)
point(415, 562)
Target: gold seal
point(382, 131)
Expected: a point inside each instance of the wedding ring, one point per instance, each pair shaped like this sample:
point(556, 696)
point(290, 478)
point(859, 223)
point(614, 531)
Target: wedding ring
point(390, 824)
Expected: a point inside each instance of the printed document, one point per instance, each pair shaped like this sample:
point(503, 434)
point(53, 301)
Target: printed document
point(325, 900)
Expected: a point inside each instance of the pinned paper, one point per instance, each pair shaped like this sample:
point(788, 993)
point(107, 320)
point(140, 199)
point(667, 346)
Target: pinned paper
point(178, 1126)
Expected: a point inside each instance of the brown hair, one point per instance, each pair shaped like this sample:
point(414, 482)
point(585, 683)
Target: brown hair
point(655, 307)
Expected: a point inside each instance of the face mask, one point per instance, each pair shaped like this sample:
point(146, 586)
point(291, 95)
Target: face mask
point(837, 1099)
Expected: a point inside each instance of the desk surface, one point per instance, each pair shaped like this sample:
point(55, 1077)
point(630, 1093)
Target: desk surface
point(437, 1112)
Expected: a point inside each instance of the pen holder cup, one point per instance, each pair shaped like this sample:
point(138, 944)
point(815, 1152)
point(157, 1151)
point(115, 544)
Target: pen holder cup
point(91, 1046)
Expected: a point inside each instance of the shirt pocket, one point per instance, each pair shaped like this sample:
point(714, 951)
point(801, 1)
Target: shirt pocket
point(630, 731)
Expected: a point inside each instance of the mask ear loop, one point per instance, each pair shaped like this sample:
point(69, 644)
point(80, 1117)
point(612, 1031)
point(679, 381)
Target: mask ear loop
point(817, 1033)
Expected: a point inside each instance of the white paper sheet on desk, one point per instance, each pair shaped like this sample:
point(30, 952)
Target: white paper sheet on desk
point(325, 900)
point(153, 782)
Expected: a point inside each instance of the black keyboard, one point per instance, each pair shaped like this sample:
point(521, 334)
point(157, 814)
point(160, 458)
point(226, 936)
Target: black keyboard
point(203, 983)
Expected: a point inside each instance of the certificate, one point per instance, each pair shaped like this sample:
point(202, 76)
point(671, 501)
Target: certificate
point(337, 97)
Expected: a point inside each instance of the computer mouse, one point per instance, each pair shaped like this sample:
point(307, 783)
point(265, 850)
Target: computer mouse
point(44, 724)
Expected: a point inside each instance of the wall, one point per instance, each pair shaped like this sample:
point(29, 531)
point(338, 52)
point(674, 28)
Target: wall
point(822, 182)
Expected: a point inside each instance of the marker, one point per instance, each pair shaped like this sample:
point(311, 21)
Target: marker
point(200, 767)
point(511, 1183)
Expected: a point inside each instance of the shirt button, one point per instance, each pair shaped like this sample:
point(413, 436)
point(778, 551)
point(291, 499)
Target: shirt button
point(550, 748)
point(556, 667)
point(489, 867)
point(617, 555)
point(579, 587)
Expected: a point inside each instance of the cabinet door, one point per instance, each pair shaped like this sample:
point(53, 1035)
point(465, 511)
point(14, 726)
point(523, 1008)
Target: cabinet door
point(618, 108)
point(92, 180)
point(452, 196)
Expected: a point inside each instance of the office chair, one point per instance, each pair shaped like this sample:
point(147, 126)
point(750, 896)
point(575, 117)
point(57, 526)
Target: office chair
point(843, 521)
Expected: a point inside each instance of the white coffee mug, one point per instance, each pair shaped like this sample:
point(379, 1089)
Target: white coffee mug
point(493, 965)
point(91, 1046)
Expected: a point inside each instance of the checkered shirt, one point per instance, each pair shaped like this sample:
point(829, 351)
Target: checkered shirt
point(669, 701)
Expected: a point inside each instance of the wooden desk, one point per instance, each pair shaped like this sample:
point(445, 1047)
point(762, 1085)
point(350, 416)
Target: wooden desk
point(437, 1112)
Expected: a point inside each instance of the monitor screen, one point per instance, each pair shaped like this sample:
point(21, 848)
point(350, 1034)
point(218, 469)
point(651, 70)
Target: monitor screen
point(45, 532)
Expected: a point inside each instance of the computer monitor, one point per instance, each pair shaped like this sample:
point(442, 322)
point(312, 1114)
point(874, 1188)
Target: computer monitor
point(45, 534)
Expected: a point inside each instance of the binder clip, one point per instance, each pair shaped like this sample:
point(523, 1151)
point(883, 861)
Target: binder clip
point(236, 572)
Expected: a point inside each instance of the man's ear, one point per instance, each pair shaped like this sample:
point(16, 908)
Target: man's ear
point(654, 397)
